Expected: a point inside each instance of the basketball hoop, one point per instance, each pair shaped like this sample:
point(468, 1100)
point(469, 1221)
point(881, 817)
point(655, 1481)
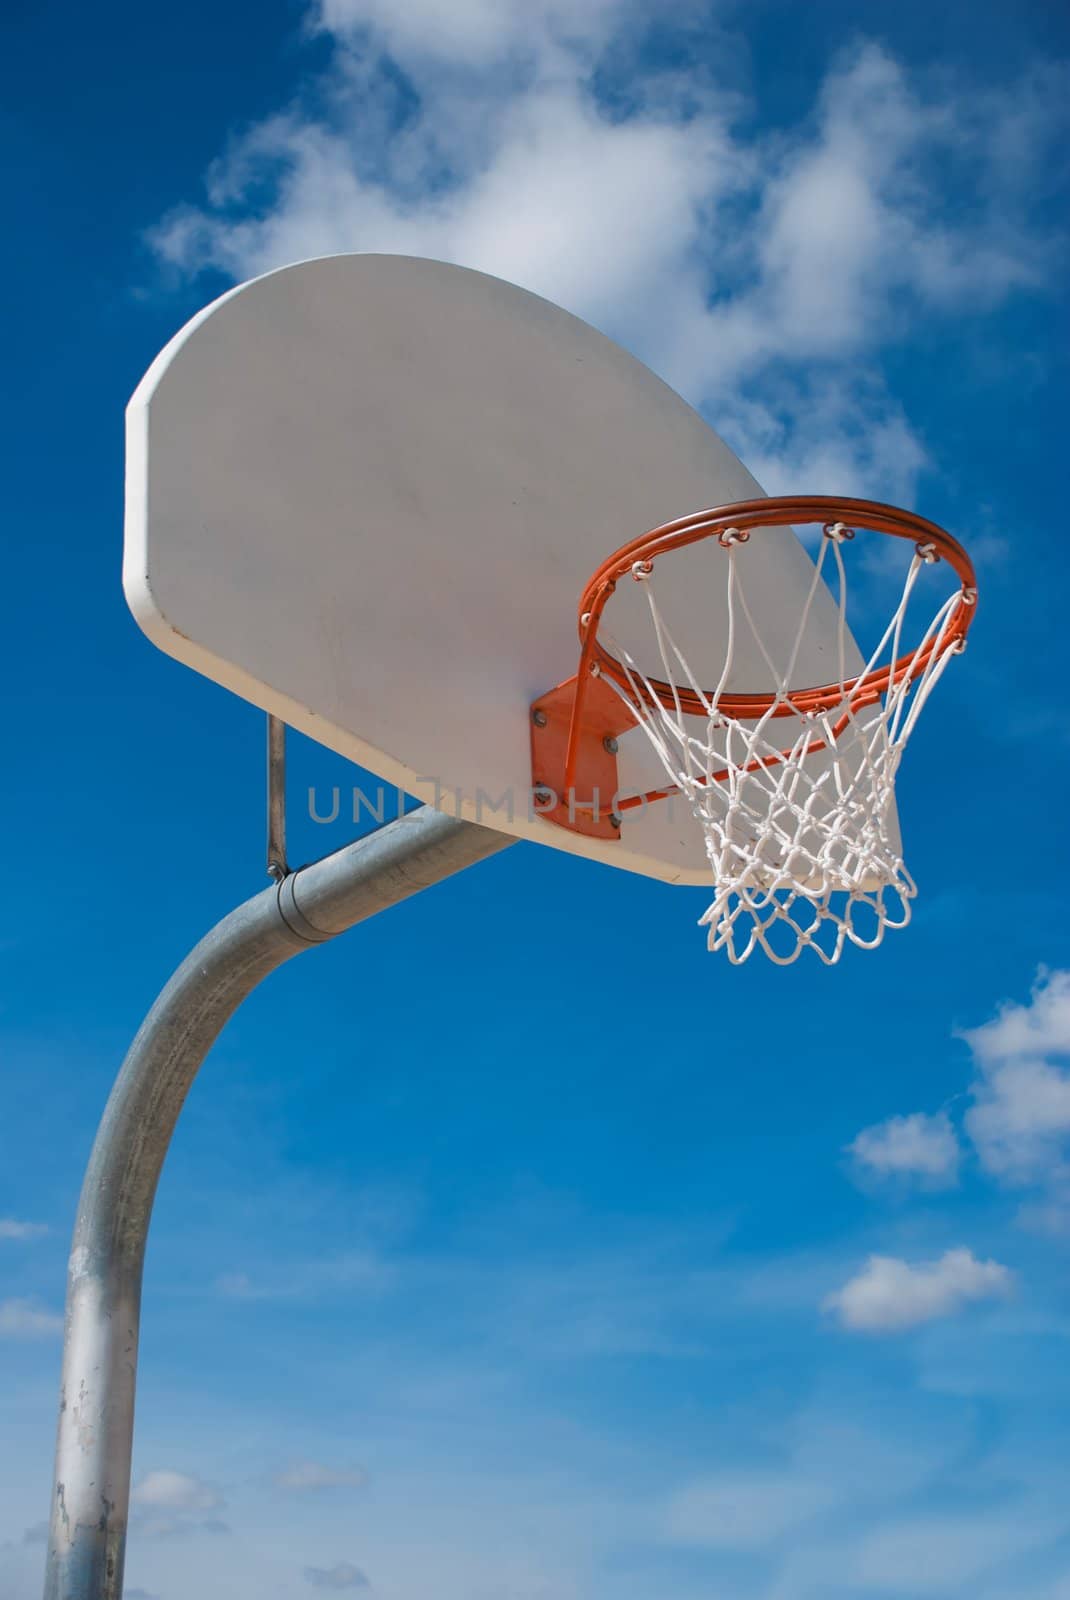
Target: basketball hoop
point(792, 787)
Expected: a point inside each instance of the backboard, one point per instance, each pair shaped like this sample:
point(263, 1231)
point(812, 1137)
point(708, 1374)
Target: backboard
point(365, 493)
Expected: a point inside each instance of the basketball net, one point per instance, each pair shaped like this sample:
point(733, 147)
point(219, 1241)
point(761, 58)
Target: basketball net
point(796, 804)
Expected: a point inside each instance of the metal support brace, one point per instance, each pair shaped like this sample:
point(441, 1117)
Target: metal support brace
point(276, 808)
point(91, 1493)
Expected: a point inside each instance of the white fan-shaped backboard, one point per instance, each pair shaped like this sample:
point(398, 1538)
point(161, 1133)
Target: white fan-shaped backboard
point(365, 493)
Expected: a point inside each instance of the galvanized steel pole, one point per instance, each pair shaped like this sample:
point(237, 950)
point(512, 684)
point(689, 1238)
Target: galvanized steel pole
point(91, 1492)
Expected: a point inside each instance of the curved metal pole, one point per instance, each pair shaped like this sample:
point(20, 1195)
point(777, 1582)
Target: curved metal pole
point(91, 1492)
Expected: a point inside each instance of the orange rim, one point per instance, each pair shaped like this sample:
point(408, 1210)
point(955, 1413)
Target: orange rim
point(739, 519)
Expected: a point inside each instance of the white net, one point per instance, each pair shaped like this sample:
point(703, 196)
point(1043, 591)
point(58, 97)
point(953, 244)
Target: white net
point(796, 804)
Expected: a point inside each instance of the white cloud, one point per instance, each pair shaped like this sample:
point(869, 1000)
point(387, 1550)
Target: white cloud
point(921, 1147)
point(175, 1491)
point(938, 1555)
point(744, 1511)
point(175, 1505)
point(343, 1575)
point(1040, 1027)
point(833, 428)
point(11, 1228)
point(301, 1476)
point(1020, 1119)
point(473, 33)
point(550, 205)
point(848, 236)
point(25, 1319)
point(1049, 1216)
point(763, 276)
point(808, 1516)
point(889, 1294)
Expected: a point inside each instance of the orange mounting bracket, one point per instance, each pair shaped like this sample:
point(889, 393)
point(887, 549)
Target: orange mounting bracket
point(577, 787)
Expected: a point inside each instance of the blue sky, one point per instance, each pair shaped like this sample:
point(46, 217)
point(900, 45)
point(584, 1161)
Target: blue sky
point(465, 1282)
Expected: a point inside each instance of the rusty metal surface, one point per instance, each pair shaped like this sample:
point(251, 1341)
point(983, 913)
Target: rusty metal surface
point(277, 866)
